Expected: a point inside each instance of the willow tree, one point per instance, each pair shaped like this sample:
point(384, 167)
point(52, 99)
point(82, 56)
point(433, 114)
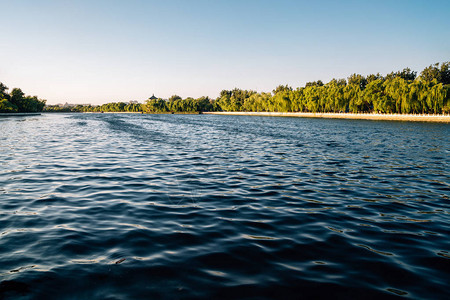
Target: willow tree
point(334, 96)
point(313, 96)
point(297, 98)
point(415, 96)
point(374, 93)
point(351, 94)
point(258, 102)
point(440, 73)
point(436, 96)
point(395, 89)
point(156, 105)
point(282, 101)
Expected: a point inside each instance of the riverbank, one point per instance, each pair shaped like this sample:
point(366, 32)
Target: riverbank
point(18, 114)
point(144, 113)
point(112, 112)
point(388, 117)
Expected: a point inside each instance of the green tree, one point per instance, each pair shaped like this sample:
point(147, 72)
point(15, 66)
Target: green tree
point(358, 80)
point(351, 94)
point(156, 106)
point(373, 77)
point(3, 93)
point(282, 88)
point(440, 73)
point(314, 83)
point(313, 95)
point(16, 97)
point(436, 97)
point(7, 107)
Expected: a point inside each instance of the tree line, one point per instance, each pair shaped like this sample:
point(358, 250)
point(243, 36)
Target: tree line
point(398, 92)
point(16, 101)
point(108, 107)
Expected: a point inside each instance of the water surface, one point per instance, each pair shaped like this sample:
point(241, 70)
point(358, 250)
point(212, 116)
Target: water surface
point(123, 206)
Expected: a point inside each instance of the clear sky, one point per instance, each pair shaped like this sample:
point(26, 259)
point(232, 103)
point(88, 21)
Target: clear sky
point(103, 51)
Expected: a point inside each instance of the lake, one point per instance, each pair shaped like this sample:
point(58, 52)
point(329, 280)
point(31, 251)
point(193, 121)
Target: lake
point(125, 206)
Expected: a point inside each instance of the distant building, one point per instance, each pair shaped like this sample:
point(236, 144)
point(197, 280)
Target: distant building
point(152, 97)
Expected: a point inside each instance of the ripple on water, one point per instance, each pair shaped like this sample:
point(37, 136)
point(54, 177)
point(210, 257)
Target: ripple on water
point(202, 206)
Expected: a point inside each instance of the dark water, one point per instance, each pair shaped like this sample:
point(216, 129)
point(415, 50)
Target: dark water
point(116, 206)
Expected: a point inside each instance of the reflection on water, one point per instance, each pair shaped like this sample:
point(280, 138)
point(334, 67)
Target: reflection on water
point(188, 206)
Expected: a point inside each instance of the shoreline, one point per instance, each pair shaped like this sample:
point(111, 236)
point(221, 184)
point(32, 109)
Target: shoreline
point(142, 113)
point(18, 114)
point(110, 112)
point(355, 116)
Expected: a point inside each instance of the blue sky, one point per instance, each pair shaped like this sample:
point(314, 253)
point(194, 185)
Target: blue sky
point(102, 51)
